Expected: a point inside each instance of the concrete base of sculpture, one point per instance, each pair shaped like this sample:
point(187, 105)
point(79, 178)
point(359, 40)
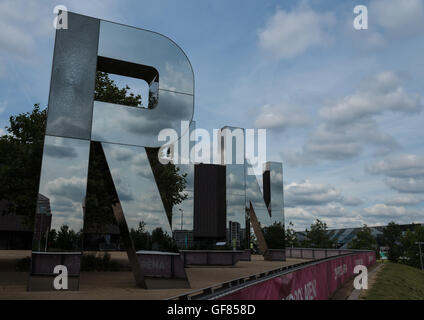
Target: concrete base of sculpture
point(246, 256)
point(162, 270)
point(42, 270)
point(275, 255)
point(211, 257)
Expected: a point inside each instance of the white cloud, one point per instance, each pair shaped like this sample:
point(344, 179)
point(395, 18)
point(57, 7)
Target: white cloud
point(405, 200)
point(306, 193)
point(349, 125)
point(288, 34)
point(383, 210)
point(401, 18)
point(281, 116)
point(334, 142)
point(407, 185)
point(399, 166)
point(404, 173)
point(21, 23)
point(382, 92)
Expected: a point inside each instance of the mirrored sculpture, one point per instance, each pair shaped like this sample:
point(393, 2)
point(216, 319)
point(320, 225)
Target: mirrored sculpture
point(124, 139)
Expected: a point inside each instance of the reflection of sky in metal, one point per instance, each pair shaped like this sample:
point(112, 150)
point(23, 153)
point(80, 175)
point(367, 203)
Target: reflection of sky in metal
point(148, 48)
point(254, 195)
point(136, 186)
point(235, 173)
point(64, 179)
point(139, 126)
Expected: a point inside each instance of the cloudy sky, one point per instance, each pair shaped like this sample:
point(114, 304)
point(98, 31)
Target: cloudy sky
point(342, 107)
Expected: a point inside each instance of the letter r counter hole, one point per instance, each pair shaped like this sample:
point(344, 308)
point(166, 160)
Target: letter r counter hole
point(142, 80)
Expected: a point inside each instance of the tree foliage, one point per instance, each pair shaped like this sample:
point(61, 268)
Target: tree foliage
point(410, 248)
point(290, 235)
point(274, 235)
point(364, 240)
point(317, 236)
point(20, 161)
point(391, 238)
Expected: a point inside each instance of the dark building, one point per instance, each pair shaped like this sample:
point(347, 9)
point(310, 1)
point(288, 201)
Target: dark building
point(15, 231)
point(210, 210)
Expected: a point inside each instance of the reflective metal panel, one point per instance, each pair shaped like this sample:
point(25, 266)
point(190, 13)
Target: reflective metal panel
point(254, 195)
point(183, 213)
point(148, 48)
point(235, 179)
point(63, 182)
point(73, 77)
point(232, 144)
point(136, 187)
point(276, 190)
point(137, 126)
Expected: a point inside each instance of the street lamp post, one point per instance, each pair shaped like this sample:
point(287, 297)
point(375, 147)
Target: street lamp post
point(182, 213)
point(421, 254)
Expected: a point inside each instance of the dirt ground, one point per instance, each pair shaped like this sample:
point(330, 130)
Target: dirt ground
point(120, 285)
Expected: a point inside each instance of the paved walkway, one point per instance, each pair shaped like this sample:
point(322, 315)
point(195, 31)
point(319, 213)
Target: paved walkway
point(120, 285)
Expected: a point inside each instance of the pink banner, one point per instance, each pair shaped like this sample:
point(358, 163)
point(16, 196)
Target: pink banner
point(315, 282)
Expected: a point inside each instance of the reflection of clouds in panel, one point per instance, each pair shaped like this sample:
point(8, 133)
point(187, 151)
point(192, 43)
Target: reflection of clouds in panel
point(58, 151)
point(139, 126)
point(277, 188)
point(176, 74)
point(72, 188)
point(129, 44)
point(236, 209)
point(133, 174)
point(235, 179)
point(120, 183)
point(65, 188)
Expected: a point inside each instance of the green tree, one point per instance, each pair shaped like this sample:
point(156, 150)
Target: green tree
point(274, 235)
point(107, 91)
point(291, 238)
point(67, 239)
point(364, 240)
point(162, 241)
point(392, 234)
point(20, 162)
point(317, 236)
point(140, 237)
point(409, 248)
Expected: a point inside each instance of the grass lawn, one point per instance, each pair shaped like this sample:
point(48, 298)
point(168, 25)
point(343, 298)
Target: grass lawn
point(397, 282)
